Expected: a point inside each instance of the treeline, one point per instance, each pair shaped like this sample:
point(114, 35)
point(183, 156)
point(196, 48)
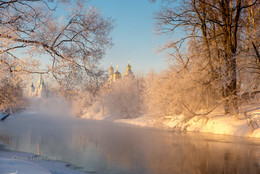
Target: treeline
point(219, 52)
point(214, 62)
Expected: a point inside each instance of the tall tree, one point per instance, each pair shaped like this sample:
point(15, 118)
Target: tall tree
point(71, 42)
point(11, 92)
point(32, 28)
point(216, 26)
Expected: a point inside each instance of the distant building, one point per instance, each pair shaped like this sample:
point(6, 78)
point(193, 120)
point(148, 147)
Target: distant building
point(114, 76)
point(40, 91)
point(128, 71)
point(110, 73)
point(117, 75)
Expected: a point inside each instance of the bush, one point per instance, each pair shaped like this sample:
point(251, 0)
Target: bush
point(11, 95)
point(124, 98)
point(179, 92)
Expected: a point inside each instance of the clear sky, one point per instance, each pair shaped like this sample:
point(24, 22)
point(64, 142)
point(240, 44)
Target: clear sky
point(132, 35)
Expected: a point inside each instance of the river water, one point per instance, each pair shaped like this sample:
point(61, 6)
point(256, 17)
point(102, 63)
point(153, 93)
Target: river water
point(104, 147)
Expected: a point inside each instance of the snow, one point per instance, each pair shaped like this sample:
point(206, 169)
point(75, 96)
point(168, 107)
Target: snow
point(96, 116)
point(255, 133)
point(22, 167)
point(140, 121)
point(12, 162)
point(227, 125)
point(246, 124)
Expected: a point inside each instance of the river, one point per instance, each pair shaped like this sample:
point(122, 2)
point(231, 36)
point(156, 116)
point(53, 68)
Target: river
point(104, 147)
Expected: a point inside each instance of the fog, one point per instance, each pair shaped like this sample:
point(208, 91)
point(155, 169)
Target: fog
point(105, 147)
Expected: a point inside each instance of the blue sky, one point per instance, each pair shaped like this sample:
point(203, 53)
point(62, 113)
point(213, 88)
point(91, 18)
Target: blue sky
point(133, 35)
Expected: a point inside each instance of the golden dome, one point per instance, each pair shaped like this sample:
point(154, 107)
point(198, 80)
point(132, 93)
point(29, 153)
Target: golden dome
point(111, 68)
point(128, 70)
point(128, 66)
point(117, 74)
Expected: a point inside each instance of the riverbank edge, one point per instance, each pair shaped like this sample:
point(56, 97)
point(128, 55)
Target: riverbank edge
point(215, 124)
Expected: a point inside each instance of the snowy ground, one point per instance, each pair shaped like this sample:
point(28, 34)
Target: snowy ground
point(12, 162)
point(246, 124)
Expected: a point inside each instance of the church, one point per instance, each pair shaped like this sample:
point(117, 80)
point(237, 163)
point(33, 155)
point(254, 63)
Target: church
point(114, 76)
point(39, 91)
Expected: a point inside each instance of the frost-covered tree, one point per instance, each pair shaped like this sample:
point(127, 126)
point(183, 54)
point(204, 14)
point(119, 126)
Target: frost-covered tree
point(175, 92)
point(70, 42)
point(73, 41)
point(11, 92)
point(83, 97)
point(250, 71)
point(124, 99)
point(215, 28)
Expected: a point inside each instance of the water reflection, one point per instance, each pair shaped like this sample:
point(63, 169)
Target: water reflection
point(104, 147)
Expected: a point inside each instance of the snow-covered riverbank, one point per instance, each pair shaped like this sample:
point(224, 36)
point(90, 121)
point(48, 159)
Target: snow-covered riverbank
point(246, 125)
point(13, 162)
point(226, 125)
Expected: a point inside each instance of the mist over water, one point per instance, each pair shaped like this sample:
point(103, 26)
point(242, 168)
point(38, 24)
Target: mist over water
point(105, 147)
